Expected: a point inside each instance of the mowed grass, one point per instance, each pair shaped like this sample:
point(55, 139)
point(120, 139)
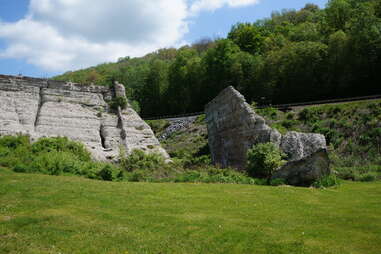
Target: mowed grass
point(48, 214)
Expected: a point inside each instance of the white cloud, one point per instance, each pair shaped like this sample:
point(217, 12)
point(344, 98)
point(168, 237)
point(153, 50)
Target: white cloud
point(211, 5)
point(60, 35)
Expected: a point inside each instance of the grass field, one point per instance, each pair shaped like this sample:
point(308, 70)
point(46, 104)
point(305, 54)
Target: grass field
point(48, 214)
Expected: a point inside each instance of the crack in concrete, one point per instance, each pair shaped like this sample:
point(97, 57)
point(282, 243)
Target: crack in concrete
point(40, 103)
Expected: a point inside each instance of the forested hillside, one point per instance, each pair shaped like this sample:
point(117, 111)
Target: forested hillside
point(294, 56)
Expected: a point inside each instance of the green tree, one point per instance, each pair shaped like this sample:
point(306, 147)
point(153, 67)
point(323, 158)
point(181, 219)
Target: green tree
point(183, 77)
point(248, 37)
point(153, 88)
point(217, 64)
point(338, 13)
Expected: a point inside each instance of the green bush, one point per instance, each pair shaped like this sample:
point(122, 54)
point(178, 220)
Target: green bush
point(135, 106)
point(20, 168)
point(53, 156)
point(158, 126)
point(367, 177)
point(140, 160)
point(277, 182)
point(269, 112)
point(12, 142)
point(326, 181)
point(189, 160)
point(264, 159)
point(311, 114)
point(61, 144)
point(214, 175)
point(56, 163)
point(118, 102)
point(106, 173)
point(260, 181)
point(359, 173)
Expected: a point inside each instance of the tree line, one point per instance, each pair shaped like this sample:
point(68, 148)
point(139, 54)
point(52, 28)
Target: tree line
point(293, 56)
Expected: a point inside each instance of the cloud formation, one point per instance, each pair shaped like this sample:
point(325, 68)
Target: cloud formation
point(211, 5)
point(59, 35)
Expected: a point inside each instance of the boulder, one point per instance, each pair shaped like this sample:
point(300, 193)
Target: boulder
point(234, 127)
point(301, 145)
point(305, 171)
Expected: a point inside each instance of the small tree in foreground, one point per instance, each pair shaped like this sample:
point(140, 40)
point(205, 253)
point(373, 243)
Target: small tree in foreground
point(263, 159)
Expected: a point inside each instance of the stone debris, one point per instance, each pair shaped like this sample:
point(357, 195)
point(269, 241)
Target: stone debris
point(46, 108)
point(177, 124)
point(301, 145)
point(234, 127)
point(305, 171)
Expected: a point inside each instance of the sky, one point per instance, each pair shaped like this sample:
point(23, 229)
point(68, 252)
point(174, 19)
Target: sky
point(43, 38)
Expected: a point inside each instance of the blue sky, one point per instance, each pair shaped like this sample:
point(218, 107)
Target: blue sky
point(42, 38)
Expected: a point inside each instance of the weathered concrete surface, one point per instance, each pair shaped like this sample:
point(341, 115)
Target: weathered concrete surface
point(45, 108)
point(234, 127)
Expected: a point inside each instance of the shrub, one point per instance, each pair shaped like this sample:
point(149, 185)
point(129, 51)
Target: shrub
point(56, 163)
point(288, 124)
point(106, 173)
point(4, 151)
point(214, 175)
point(259, 181)
point(367, 177)
point(158, 126)
point(53, 156)
point(264, 159)
point(135, 106)
point(309, 115)
point(290, 116)
point(269, 112)
point(20, 168)
point(12, 142)
point(139, 160)
point(118, 102)
point(61, 144)
point(346, 173)
point(277, 182)
point(189, 160)
point(326, 181)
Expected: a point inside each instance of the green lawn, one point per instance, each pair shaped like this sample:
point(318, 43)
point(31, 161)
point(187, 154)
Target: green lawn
point(47, 214)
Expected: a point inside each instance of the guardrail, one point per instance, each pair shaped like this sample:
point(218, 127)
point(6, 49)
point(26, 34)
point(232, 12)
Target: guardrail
point(278, 106)
point(174, 116)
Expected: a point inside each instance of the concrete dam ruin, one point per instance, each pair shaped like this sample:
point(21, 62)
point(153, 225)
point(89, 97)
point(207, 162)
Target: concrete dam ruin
point(48, 108)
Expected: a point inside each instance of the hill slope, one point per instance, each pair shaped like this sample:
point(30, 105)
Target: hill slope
point(292, 56)
point(352, 130)
point(47, 214)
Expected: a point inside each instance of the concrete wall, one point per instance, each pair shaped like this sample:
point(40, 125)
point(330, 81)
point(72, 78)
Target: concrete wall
point(46, 108)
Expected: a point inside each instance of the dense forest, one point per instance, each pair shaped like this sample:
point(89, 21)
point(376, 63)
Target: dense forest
point(294, 56)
